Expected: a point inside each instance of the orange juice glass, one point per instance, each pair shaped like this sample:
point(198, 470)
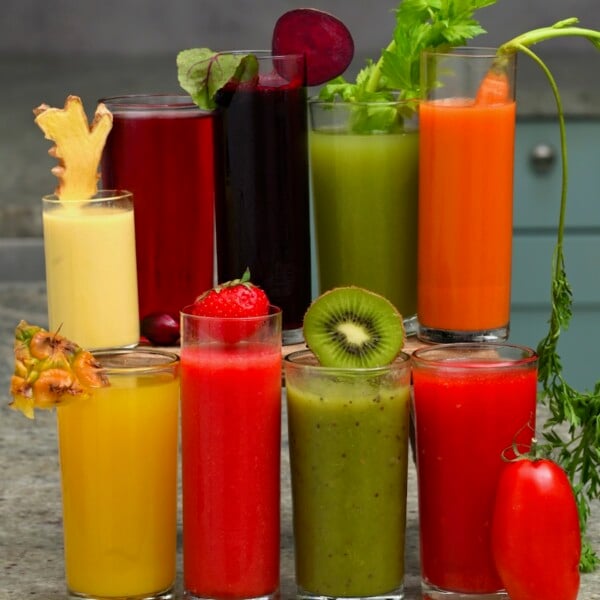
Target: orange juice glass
point(118, 458)
point(467, 129)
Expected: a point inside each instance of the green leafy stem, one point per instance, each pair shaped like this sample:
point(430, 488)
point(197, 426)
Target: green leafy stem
point(420, 25)
point(579, 455)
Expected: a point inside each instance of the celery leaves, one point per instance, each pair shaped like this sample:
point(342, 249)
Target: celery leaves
point(420, 25)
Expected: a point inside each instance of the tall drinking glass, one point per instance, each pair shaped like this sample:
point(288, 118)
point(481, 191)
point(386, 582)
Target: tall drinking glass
point(231, 429)
point(263, 216)
point(472, 403)
point(467, 129)
point(89, 248)
point(118, 458)
point(348, 440)
point(162, 148)
point(365, 195)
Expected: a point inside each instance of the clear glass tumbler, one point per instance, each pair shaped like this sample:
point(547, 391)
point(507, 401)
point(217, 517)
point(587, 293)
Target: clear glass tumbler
point(163, 149)
point(91, 281)
point(231, 438)
point(348, 443)
point(263, 218)
point(364, 159)
point(467, 132)
point(118, 459)
point(473, 403)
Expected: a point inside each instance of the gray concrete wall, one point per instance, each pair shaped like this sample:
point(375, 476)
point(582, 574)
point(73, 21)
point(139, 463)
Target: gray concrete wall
point(164, 26)
point(52, 48)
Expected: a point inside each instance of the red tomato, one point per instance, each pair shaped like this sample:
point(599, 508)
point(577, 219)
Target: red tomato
point(536, 540)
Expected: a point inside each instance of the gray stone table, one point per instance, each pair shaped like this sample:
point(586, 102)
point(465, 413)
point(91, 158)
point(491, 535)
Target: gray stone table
point(31, 555)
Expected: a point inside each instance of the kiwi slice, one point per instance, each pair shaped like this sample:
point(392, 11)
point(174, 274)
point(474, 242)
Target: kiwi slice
point(353, 327)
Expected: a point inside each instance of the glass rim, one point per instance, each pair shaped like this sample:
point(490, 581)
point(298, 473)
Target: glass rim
point(401, 360)
point(100, 196)
point(186, 313)
point(486, 52)
point(171, 360)
point(151, 102)
point(316, 101)
point(528, 356)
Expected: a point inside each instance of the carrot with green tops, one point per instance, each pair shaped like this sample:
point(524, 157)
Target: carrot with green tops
point(578, 452)
point(494, 89)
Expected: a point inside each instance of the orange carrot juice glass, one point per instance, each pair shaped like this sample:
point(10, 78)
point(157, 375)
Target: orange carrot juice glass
point(467, 129)
point(118, 458)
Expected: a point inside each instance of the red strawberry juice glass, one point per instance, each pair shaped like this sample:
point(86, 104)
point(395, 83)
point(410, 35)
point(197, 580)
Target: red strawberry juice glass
point(231, 426)
point(474, 404)
point(162, 148)
point(262, 218)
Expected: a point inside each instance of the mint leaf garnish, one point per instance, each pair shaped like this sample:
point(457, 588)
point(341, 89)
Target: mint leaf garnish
point(203, 72)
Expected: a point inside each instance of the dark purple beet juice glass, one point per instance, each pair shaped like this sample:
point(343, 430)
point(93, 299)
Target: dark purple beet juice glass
point(162, 148)
point(263, 216)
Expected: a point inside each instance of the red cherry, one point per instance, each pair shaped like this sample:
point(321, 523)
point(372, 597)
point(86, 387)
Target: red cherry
point(161, 329)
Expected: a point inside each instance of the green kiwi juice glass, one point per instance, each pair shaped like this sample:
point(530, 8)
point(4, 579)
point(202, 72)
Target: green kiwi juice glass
point(348, 443)
point(364, 166)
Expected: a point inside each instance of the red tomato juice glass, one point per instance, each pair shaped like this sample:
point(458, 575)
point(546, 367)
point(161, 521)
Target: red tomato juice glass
point(231, 437)
point(466, 165)
point(163, 148)
point(474, 406)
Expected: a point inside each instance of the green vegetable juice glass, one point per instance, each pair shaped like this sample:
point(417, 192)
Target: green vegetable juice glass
point(364, 168)
point(348, 440)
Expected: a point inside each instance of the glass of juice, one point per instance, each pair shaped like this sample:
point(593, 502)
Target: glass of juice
point(263, 216)
point(467, 130)
point(118, 458)
point(91, 282)
point(231, 430)
point(473, 404)
point(365, 194)
point(162, 148)
point(348, 442)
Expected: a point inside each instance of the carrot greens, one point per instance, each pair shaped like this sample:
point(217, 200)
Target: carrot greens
point(577, 450)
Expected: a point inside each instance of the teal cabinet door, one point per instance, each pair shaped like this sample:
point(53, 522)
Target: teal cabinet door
point(536, 212)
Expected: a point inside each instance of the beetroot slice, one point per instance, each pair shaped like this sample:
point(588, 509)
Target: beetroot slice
point(324, 40)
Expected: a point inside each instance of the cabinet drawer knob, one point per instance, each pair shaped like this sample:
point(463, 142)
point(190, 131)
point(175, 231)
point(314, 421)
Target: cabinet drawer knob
point(542, 158)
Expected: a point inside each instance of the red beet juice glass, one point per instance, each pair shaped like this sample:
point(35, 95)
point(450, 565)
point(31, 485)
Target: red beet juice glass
point(473, 404)
point(231, 428)
point(263, 216)
point(162, 148)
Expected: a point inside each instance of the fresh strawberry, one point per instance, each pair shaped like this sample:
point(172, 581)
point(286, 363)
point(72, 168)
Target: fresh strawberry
point(237, 299)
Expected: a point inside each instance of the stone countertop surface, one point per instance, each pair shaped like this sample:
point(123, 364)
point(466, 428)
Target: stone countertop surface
point(31, 554)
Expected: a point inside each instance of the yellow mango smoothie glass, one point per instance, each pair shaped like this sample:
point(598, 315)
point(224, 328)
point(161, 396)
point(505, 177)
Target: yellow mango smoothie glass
point(91, 279)
point(118, 458)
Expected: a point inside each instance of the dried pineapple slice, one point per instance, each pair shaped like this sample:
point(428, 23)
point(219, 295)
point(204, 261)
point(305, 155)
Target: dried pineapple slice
point(50, 370)
point(78, 145)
